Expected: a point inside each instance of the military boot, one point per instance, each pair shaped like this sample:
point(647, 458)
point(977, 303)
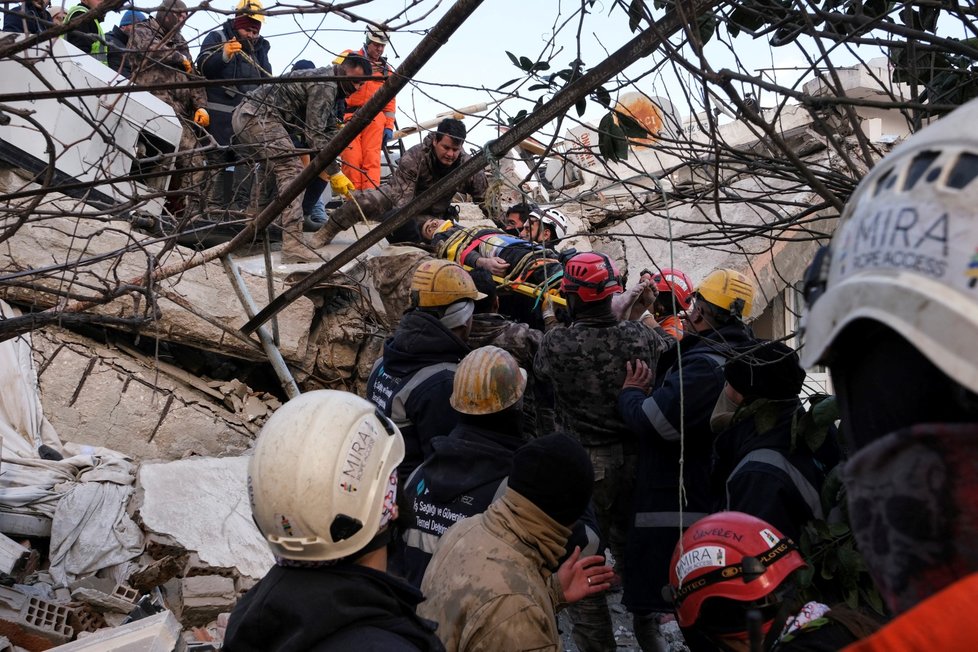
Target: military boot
point(325, 235)
point(296, 250)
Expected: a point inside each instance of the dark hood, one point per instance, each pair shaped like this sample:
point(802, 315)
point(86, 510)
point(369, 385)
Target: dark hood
point(300, 608)
point(421, 340)
point(742, 437)
point(468, 458)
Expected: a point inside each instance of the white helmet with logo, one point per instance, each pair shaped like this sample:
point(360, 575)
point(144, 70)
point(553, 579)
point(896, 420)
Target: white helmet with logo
point(320, 475)
point(906, 252)
point(556, 220)
point(377, 35)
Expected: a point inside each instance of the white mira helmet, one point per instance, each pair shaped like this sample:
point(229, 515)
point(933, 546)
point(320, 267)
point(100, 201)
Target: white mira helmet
point(556, 220)
point(377, 35)
point(905, 253)
point(319, 475)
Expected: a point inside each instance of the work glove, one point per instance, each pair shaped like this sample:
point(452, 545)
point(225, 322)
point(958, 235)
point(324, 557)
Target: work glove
point(202, 117)
point(231, 48)
point(341, 185)
point(388, 134)
point(187, 65)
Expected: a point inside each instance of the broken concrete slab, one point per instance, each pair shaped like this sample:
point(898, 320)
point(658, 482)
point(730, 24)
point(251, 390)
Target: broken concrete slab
point(102, 602)
point(102, 396)
point(204, 597)
point(202, 505)
point(157, 633)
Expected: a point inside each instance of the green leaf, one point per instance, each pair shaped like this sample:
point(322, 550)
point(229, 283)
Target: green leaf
point(581, 106)
point(838, 529)
point(540, 66)
point(509, 83)
point(518, 117)
point(612, 143)
point(632, 127)
point(512, 57)
point(602, 96)
point(636, 11)
point(852, 598)
point(538, 87)
point(707, 24)
point(526, 64)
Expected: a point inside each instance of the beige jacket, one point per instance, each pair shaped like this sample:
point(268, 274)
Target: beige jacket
point(489, 587)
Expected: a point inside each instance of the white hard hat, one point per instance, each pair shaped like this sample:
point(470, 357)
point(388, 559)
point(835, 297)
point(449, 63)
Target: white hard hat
point(906, 252)
point(319, 475)
point(558, 221)
point(377, 35)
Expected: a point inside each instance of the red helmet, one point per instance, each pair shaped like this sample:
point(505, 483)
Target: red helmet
point(591, 276)
point(670, 279)
point(728, 555)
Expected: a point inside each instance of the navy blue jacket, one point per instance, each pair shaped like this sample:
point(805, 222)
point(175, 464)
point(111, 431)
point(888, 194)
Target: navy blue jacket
point(412, 383)
point(34, 19)
point(333, 608)
point(654, 529)
point(250, 63)
point(759, 473)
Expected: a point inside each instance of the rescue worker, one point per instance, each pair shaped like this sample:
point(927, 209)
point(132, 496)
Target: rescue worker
point(546, 227)
point(323, 492)
point(674, 293)
point(760, 467)
point(673, 423)
point(89, 36)
point(491, 585)
point(731, 567)
point(269, 116)
point(361, 160)
point(893, 313)
point(585, 364)
point(463, 474)
point(31, 17)
point(118, 41)
point(238, 53)
point(419, 169)
point(412, 382)
point(516, 217)
point(160, 55)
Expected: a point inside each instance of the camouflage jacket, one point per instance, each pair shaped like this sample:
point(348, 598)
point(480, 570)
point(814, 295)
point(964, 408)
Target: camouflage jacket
point(415, 173)
point(585, 363)
point(489, 588)
point(519, 340)
point(157, 58)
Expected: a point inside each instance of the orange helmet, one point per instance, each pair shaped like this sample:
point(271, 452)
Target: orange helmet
point(728, 555)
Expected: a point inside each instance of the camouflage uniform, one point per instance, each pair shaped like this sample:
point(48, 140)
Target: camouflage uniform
point(489, 586)
point(522, 342)
point(265, 122)
point(585, 364)
point(156, 57)
point(416, 172)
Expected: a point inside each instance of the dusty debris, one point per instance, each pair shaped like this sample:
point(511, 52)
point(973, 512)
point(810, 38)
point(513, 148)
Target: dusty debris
point(158, 633)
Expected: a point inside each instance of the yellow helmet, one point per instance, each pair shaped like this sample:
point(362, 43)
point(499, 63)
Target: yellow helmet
point(487, 380)
point(439, 283)
point(252, 8)
point(728, 290)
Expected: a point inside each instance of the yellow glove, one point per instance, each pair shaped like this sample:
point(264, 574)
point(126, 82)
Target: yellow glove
point(341, 185)
point(231, 48)
point(187, 65)
point(202, 117)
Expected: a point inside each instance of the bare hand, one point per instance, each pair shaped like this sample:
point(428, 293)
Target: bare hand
point(583, 577)
point(638, 375)
point(493, 264)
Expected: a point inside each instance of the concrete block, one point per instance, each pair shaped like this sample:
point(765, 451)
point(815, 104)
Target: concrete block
point(157, 633)
point(16, 560)
point(83, 618)
point(208, 586)
point(205, 597)
point(102, 602)
point(48, 619)
point(24, 525)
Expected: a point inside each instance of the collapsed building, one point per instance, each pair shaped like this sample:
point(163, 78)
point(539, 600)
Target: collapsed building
point(131, 409)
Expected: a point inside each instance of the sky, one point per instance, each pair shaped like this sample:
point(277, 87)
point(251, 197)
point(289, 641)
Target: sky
point(474, 60)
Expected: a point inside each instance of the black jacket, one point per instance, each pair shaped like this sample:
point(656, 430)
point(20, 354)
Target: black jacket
point(460, 479)
point(412, 383)
point(758, 473)
point(341, 608)
point(250, 63)
point(119, 60)
point(26, 19)
point(656, 421)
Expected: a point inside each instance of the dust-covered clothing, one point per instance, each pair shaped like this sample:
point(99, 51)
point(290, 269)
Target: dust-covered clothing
point(417, 171)
point(361, 160)
point(412, 383)
point(674, 406)
point(329, 609)
point(271, 117)
point(490, 586)
point(157, 58)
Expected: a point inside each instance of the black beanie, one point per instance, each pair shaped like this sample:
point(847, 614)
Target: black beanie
point(555, 474)
point(765, 369)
